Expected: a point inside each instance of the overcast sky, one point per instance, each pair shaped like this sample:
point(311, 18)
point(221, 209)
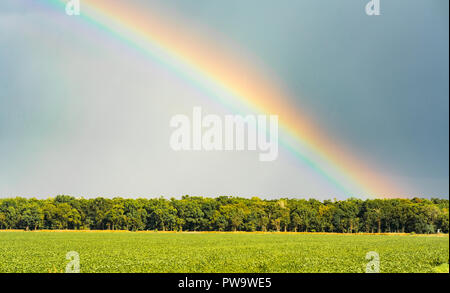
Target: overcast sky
point(82, 114)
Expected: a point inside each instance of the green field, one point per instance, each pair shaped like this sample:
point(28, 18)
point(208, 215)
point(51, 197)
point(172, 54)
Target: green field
point(219, 252)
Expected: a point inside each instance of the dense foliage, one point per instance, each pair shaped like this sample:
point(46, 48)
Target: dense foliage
point(227, 214)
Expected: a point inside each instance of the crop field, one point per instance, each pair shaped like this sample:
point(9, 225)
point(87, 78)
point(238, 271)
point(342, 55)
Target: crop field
point(152, 252)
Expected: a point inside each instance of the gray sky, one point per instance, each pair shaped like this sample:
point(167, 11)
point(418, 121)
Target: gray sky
point(83, 114)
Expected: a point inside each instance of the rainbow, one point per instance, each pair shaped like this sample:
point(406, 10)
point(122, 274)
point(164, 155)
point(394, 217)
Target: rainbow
point(235, 84)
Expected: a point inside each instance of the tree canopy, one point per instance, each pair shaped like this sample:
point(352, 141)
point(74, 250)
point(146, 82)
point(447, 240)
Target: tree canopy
point(227, 214)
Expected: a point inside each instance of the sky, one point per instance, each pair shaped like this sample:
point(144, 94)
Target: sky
point(83, 113)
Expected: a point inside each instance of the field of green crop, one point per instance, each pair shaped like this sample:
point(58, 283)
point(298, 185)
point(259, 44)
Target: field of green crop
point(219, 252)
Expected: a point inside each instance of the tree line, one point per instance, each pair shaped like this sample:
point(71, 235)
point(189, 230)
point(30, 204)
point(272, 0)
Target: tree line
point(227, 214)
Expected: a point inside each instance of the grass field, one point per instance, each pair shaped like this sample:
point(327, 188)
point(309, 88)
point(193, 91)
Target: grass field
point(220, 252)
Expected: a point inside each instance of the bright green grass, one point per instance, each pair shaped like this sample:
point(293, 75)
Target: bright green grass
point(219, 252)
point(443, 268)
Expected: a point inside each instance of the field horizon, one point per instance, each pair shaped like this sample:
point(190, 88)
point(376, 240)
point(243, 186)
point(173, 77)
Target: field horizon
point(227, 232)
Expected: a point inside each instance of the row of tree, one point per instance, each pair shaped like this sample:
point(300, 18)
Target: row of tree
point(227, 214)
